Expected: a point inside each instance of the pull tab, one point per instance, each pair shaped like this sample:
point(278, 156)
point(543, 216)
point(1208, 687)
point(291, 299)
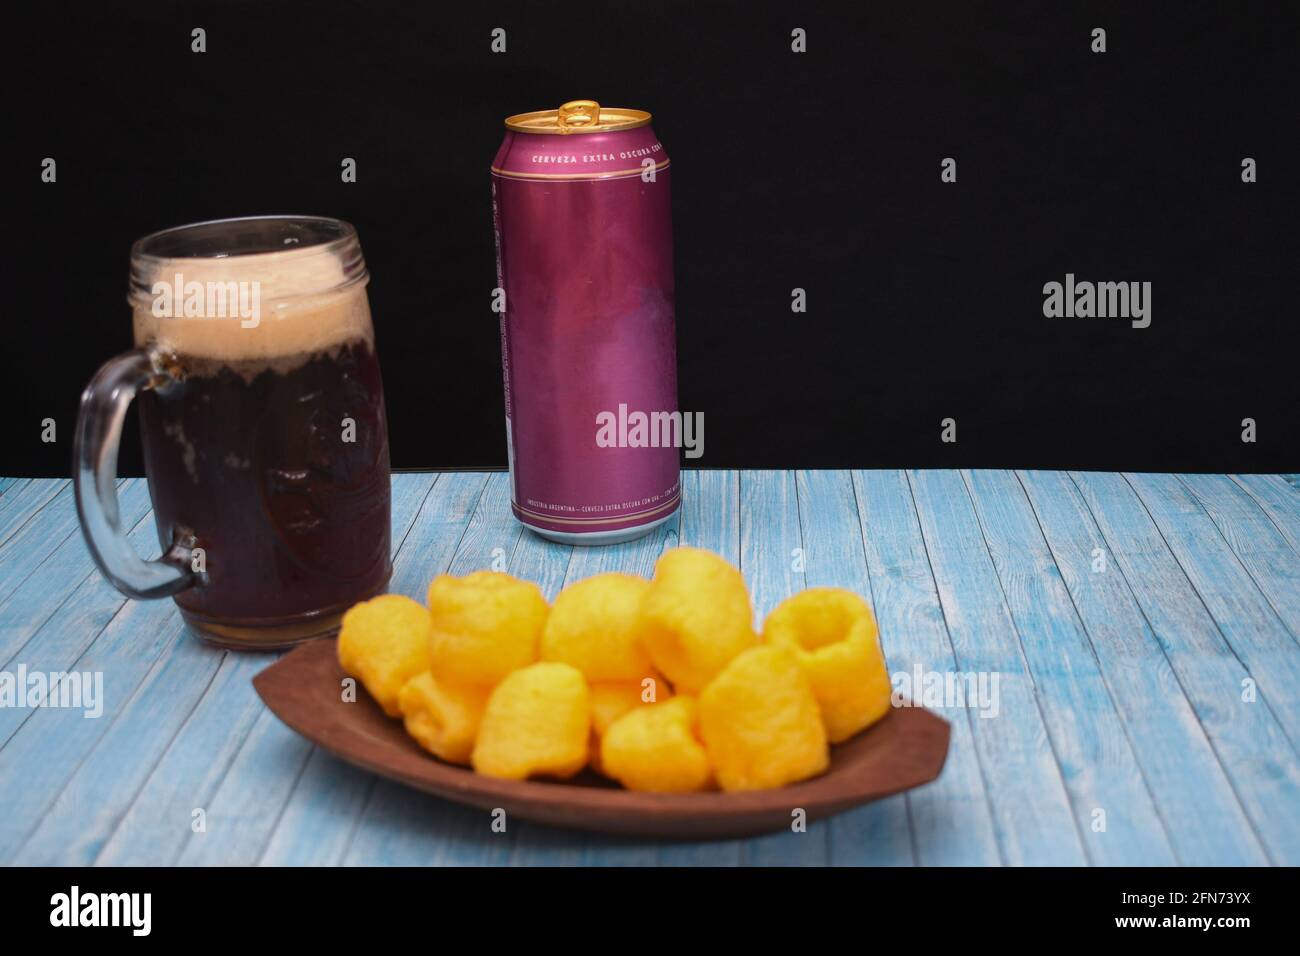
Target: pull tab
point(578, 114)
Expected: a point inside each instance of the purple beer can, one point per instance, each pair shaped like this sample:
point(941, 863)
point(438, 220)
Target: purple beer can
point(582, 211)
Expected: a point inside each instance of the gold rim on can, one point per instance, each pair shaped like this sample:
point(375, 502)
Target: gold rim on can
point(578, 116)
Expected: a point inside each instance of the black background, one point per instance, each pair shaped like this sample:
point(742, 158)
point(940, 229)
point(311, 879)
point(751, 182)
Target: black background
point(818, 171)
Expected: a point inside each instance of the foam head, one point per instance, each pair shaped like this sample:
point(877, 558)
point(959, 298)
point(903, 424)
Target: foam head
point(262, 290)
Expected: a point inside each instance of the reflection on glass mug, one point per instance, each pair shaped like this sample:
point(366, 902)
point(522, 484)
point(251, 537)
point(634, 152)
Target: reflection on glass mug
point(264, 431)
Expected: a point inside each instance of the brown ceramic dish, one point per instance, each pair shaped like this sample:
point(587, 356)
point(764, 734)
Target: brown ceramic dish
point(303, 689)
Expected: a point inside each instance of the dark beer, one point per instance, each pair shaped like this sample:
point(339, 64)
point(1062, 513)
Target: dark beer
point(278, 469)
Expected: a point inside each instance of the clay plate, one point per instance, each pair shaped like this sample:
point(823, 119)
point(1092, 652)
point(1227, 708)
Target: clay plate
point(904, 750)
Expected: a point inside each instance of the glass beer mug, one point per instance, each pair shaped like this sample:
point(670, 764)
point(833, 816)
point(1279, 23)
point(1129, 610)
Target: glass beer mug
point(263, 424)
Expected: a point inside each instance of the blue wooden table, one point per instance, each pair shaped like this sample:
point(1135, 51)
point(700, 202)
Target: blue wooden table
point(1140, 630)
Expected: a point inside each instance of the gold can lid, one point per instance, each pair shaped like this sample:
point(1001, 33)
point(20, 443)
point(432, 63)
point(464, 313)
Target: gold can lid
point(578, 116)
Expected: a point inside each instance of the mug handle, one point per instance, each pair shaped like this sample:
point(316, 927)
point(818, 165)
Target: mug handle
point(99, 431)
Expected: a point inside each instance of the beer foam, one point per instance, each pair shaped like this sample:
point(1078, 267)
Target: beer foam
point(306, 304)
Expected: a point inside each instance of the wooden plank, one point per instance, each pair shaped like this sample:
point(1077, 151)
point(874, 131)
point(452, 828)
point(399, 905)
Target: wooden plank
point(321, 815)
point(59, 641)
point(543, 562)
point(878, 834)
point(21, 507)
point(1248, 738)
point(38, 538)
point(1267, 556)
point(772, 556)
point(91, 803)
point(1111, 799)
point(950, 820)
point(1031, 807)
point(1280, 501)
point(164, 722)
point(710, 513)
point(246, 806)
point(710, 519)
point(115, 785)
point(156, 811)
point(12, 490)
point(1252, 628)
point(46, 751)
point(60, 575)
point(7, 483)
point(1205, 821)
point(252, 795)
point(152, 816)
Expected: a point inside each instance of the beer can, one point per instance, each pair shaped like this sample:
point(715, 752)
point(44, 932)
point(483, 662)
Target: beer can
point(583, 223)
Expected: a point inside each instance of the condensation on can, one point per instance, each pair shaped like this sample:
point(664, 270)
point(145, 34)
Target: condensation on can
point(582, 213)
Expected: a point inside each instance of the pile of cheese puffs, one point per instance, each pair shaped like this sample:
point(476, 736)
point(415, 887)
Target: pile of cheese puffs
point(662, 685)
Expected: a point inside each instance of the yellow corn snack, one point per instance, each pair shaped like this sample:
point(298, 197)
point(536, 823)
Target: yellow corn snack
point(695, 617)
point(485, 625)
point(611, 700)
point(536, 723)
point(655, 748)
point(443, 717)
point(384, 642)
point(593, 626)
point(662, 685)
point(832, 633)
point(760, 722)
